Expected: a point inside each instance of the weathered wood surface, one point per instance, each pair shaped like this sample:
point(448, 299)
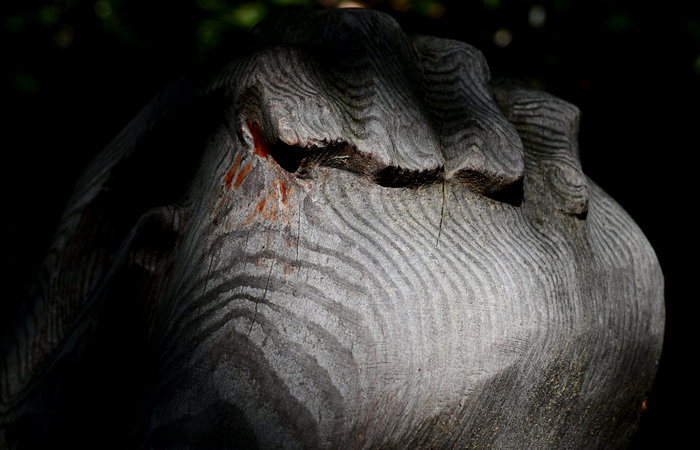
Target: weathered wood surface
point(349, 238)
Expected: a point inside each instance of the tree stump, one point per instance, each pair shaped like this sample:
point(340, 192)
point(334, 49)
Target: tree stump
point(348, 238)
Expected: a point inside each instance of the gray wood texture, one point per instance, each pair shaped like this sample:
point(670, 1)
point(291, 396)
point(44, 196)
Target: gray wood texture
point(349, 238)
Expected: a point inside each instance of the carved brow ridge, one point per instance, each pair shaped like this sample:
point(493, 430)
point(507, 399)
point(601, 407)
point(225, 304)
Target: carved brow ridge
point(346, 91)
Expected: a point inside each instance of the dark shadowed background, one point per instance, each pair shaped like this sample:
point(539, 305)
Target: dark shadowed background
point(73, 72)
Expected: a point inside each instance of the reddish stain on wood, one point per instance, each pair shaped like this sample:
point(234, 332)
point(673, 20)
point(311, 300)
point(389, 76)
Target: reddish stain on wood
point(260, 206)
point(228, 178)
point(283, 191)
point(241, 175)
point(271, 201)
point(260, 146)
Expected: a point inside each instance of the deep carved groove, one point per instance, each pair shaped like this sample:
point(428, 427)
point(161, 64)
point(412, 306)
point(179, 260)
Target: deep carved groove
point(397, 177)
point(512, 194)
point(289, 157)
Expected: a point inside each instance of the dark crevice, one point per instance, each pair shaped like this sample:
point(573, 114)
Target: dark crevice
point(511, 194)
point(289, 157)
point(301, 159)
point(392, 176)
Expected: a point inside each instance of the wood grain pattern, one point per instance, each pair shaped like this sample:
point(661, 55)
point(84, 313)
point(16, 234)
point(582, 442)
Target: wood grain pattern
point(311, 249)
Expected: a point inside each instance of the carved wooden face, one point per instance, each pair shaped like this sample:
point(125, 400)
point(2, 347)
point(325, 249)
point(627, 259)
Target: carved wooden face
point(381, 247)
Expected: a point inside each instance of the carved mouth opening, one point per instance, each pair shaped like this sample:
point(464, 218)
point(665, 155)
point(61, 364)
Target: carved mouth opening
point(301, 159)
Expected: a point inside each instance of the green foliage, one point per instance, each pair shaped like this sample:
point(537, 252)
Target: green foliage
point(618, 22)
point(221, 16)
point(204, 27)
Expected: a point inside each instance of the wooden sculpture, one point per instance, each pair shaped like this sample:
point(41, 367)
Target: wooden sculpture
point(348, 238)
